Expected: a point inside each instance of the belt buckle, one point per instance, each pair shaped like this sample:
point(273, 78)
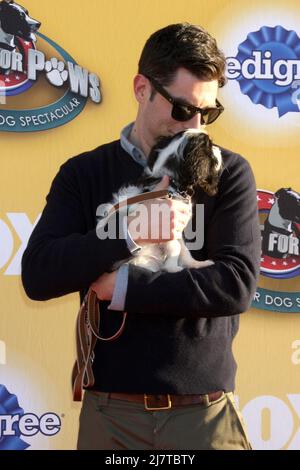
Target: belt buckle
point(151, 408)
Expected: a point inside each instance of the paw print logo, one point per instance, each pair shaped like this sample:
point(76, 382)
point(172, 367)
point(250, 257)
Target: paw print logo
point(56, 73)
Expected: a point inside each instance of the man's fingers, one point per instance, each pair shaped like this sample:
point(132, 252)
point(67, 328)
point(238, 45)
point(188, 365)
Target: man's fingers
point(163, 184)
point(185, 208)
point(182, 208)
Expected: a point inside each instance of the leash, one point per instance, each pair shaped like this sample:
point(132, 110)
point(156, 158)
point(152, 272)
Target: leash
point(88, 318)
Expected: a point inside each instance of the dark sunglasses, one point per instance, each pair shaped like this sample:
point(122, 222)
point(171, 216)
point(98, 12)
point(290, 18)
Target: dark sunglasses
point(185, 112)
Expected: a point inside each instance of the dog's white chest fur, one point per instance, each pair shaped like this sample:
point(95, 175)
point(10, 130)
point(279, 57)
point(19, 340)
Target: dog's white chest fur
point(171, 256)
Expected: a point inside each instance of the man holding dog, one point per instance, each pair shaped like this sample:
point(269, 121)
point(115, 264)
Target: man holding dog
point(167, 382)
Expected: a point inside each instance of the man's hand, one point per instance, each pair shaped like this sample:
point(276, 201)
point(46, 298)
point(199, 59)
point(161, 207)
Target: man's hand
point(161, 220)
point(105, 285)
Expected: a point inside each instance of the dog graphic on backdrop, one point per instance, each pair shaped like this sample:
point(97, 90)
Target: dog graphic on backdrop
point(191, 161)
point(15, 22)
point(282, 222)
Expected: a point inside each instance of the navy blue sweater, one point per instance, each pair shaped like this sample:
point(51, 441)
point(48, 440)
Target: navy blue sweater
point(180, 326)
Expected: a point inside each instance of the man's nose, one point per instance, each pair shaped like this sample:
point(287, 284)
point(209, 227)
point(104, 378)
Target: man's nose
point(194, 122)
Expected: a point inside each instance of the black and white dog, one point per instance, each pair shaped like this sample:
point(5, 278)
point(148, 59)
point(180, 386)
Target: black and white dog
point(15, 22)
point(283, 216)
point(191, 161)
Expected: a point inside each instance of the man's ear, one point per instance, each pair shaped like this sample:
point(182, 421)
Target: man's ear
point(142, 88)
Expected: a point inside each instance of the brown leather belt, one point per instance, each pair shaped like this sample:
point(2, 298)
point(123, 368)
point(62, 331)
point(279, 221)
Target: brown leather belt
point(164, 402)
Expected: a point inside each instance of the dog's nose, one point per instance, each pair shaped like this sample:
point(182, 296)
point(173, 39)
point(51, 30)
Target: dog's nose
point(35, 24)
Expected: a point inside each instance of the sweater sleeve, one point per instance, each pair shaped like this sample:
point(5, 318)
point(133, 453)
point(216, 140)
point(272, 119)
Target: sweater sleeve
point(62, 255)
point(232, 241)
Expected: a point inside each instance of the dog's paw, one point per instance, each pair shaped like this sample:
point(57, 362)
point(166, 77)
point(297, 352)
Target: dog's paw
point(56, 73)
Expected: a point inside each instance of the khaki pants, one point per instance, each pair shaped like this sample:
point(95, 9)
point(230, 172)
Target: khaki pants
point(111, 424)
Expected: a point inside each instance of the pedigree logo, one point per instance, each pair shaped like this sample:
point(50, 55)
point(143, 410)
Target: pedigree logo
point(267, 68)
point(15, 424)
point(22, 65)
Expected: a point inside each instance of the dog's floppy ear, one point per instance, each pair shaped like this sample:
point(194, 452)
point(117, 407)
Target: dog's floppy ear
point(152, 157)
point(161, 143)
point(281, 191)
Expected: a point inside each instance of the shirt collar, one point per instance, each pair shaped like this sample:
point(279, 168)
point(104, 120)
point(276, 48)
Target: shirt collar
point(135, 152)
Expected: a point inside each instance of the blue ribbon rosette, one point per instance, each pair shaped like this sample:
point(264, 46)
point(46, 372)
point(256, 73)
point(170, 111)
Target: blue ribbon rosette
point(9, 406)
point(283, 45)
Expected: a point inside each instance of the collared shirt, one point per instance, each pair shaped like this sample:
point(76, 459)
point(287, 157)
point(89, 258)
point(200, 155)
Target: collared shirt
point(136, 153)
point(119, 294)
